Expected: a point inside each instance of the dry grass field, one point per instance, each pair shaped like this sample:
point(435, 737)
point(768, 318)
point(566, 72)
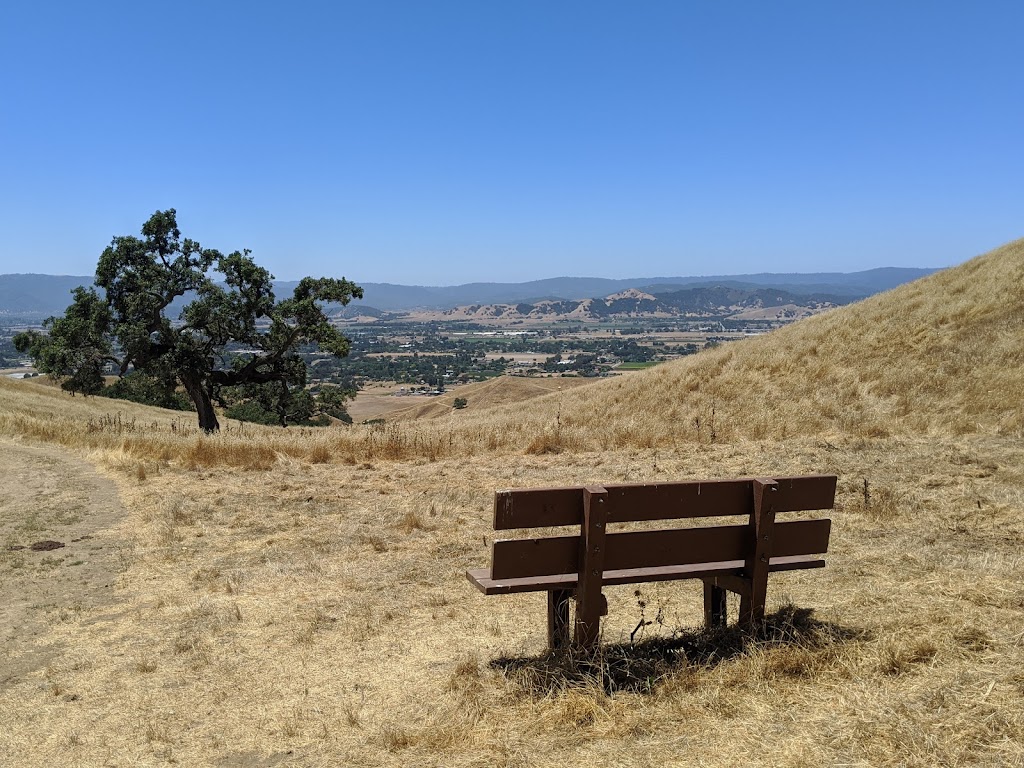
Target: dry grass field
point(296, 597)
point(486, 395)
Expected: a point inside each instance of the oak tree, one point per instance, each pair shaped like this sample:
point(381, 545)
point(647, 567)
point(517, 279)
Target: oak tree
point(131, 323)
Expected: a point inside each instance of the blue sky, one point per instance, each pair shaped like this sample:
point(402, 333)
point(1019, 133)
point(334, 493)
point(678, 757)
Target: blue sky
point(447, 142)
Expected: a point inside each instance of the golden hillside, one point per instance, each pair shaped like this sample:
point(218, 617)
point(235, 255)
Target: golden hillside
point(501, 390)
point(298, 597)
point(942, 355)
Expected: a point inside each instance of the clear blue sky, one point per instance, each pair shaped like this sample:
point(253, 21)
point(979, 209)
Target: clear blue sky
point(445, 142)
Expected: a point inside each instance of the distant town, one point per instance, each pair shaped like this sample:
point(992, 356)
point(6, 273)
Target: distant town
point(408, 350)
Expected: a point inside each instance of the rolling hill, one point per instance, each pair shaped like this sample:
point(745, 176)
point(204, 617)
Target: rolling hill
point(502, 390)
point(944, 354)
point(706, 301)
point(941, 355)
point(269, 597)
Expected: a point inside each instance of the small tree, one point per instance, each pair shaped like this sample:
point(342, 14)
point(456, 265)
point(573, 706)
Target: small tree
point(460, 403)
point(130, 328)
point(331, 402)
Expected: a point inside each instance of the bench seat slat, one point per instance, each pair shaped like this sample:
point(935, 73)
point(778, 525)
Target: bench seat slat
point(549, 556)
point(536, 508)
point(482, 580)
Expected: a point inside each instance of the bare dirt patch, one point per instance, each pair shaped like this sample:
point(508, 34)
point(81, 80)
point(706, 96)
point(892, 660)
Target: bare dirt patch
point(57, 560)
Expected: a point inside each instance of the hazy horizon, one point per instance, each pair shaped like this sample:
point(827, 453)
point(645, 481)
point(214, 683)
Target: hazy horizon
point(544, 279)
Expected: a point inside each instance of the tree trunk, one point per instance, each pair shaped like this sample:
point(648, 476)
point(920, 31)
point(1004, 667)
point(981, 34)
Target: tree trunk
point(203, 402)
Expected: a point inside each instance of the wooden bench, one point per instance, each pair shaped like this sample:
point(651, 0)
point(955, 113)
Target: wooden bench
point(737, 558)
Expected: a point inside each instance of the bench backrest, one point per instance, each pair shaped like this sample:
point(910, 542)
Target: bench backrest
point(552, 555)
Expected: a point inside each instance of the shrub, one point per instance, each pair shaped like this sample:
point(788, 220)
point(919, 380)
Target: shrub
point(148, 390)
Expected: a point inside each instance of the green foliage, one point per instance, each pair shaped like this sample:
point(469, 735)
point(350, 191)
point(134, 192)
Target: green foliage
point(148, 390)
point(265, 403)
point(130, 328)
point(253, 411)
point(9, 356)
point(460, 403)
point(75, 346)
point(330, 401)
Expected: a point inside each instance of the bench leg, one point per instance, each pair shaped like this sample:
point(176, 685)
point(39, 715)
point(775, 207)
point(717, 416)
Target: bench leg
point(752, 607)
point(715, 602)
point(558, 619)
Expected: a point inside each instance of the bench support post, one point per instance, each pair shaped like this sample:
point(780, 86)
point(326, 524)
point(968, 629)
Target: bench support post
point(590, 603)
point(715, 605)
point(762, 523)
point(558, 619)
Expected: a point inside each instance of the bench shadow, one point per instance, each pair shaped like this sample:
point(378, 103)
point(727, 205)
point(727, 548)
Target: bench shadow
point(639, 667)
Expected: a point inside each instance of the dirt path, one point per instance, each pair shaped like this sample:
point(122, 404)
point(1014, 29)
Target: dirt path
point(49, 498)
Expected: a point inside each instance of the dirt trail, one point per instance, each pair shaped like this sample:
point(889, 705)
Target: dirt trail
point(49, 497)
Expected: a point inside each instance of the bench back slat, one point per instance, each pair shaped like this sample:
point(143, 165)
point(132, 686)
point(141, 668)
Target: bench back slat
point(536, 508)
point(524, 558)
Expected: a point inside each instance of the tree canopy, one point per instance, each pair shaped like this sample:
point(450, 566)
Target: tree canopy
point(127, 326)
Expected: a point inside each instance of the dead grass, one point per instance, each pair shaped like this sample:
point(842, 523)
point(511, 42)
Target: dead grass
point(790, 644)
point(299, 595)
point(314, 614)
point(485, 395)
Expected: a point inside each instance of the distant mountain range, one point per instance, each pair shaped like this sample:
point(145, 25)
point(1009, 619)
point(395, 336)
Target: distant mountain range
point(36, 296)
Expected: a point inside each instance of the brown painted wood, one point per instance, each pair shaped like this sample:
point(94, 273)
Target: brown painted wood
point(589, 602)
point(520, 558)
point(735, 558)
point(738, 584)
point(715, 605)
point(762, 531)
point(535, 508)
point(558, 619)
point(481, 577)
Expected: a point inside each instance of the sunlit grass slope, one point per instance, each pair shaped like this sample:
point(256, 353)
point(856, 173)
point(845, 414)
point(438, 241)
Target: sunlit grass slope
point(940, 356)
point(503, 390)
